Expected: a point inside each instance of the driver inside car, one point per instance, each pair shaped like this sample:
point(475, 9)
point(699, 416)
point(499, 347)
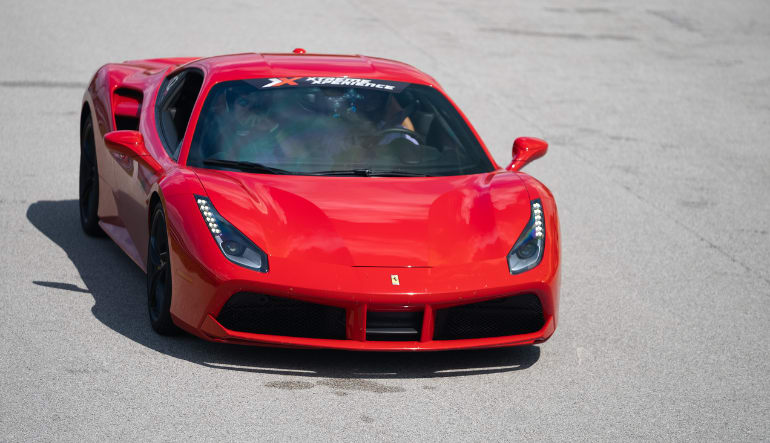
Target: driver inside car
point(379, 110)
point(357, 124)
point(385, 110)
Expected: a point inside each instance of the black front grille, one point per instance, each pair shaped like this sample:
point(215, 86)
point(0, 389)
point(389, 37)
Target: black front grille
point(519, 314)
point(393, 326)
point(264, 314)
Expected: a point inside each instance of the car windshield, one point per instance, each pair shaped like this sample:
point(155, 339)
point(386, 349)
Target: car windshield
point(333, 126)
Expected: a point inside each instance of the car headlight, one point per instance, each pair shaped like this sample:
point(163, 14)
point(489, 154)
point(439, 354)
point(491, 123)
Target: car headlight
point(234, 245)
point(528, 249)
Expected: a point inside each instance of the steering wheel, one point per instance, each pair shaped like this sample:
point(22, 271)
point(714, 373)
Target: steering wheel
point(381, 134)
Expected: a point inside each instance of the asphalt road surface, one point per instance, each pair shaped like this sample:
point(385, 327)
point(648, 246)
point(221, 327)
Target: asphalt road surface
point(658, 115)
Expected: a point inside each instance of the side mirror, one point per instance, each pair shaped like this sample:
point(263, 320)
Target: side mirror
point(526, 149)
point(131, 144)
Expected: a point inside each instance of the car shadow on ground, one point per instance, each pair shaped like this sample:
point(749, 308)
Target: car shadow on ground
point(118, 288)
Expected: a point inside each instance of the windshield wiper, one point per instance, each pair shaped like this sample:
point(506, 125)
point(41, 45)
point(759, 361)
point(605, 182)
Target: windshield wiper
point(363, 172)
point(244, 165)
point(387, 173)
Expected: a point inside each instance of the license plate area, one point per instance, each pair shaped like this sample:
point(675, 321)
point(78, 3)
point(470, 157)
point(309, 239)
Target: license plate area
point(393, 325)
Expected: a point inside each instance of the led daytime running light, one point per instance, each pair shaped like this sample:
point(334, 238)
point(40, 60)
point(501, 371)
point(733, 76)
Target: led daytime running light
point(235, 246)
point(528, 250)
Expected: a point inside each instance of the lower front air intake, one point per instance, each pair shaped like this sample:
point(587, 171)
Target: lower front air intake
point(265, 314)
point(518, 314)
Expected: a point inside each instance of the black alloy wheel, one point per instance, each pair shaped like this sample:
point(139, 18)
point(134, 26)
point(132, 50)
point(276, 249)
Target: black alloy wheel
point(159, 276)
point(89, 181)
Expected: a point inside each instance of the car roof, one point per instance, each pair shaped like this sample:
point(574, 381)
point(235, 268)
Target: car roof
point(253, 65)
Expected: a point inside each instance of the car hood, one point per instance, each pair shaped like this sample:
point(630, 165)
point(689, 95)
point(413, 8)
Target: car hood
point(374, 221)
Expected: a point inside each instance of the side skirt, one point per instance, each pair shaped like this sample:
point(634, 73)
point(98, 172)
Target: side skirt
point(122, 238)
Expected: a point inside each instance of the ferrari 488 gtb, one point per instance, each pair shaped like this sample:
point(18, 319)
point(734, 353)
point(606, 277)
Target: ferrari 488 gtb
point(316, 201)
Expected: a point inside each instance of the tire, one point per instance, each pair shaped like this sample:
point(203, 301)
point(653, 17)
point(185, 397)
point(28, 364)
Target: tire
point(88, 189)
point(159, 276)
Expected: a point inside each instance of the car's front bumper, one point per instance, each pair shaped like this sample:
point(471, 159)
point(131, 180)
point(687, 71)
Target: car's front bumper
point(200, 295)
point(203, 281)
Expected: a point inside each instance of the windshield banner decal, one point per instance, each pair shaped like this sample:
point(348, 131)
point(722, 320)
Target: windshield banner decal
point(341, 82)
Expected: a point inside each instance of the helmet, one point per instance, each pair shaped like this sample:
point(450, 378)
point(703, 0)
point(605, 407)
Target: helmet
point(372, 101)
point(332, 101)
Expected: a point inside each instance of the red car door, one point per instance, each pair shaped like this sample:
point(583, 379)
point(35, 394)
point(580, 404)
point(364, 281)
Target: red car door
point(132, 180)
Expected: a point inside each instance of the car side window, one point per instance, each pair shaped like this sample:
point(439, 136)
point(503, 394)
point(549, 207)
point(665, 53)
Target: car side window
point(174, 108)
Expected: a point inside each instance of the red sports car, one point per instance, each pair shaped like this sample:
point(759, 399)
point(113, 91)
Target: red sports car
point(306, 200)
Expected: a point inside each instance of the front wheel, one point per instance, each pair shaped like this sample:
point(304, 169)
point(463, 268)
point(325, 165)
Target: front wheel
point(159, 276)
